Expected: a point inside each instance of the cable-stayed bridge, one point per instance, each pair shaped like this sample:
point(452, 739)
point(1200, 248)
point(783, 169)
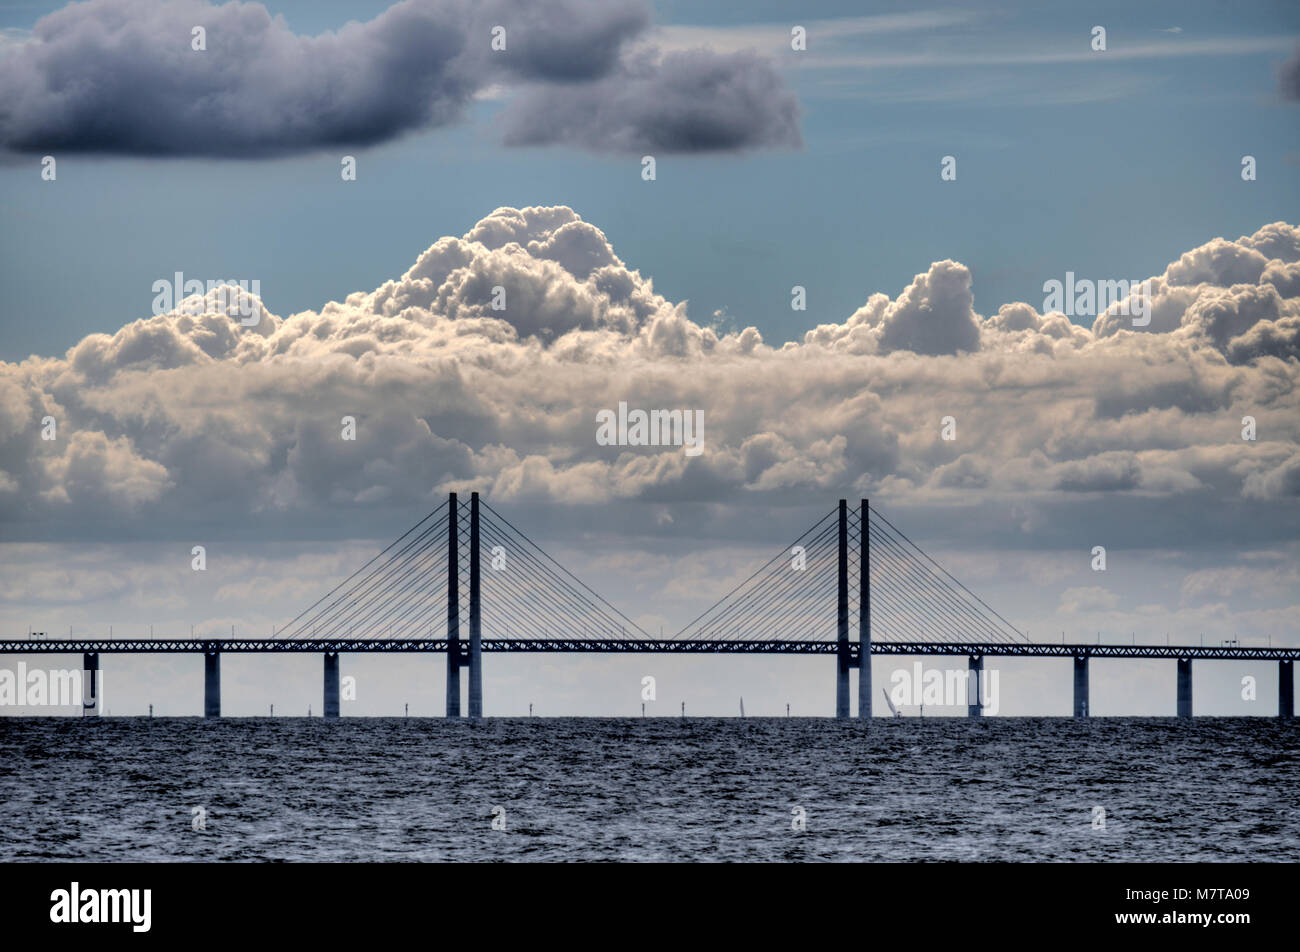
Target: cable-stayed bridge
point(464, 581)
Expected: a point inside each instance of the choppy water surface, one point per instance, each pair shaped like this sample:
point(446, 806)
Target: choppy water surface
point(649, 789)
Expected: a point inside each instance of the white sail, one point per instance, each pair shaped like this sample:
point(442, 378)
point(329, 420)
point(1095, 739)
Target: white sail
point(890, 702)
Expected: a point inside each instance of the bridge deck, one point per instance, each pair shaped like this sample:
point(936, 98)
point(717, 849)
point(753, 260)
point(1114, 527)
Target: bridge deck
point(634, 646)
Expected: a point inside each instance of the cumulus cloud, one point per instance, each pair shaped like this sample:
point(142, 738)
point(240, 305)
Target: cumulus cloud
point(1237, 296)
point(456, 386)
point(120, 76)
point(934, 315)
point(1217, 262)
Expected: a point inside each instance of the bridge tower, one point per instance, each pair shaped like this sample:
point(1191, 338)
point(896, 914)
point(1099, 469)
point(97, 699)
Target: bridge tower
point(457, 650)
point(842, 618)
point(864, 616)
point(475, 618)
point(453, 610)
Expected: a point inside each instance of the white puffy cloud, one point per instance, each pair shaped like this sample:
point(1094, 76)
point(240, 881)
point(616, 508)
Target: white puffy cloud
point(934, 315)
point(1217, 262)
point(1242, 296)
point(184, 414)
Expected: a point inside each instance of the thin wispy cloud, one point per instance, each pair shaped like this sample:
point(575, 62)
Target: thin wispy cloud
point(938, 39)
point(775, 37)
point(989, 91)
point(11, 38)
point(1048, 54)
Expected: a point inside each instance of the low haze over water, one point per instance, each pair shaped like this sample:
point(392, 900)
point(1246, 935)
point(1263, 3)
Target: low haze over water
point(658, 789)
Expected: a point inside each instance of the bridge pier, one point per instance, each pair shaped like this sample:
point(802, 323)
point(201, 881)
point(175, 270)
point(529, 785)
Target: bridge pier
point(1184, 687)
point(475, 621)
point(453, 610)
point(842, 618)
point(211, 684)
point(973, 679)
point(330, 707)
point(90, 683)
point(864, 616)
point(1286, 689)
point(1081, 685)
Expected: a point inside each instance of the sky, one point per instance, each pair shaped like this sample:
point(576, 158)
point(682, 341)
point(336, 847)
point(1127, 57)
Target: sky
point(524, 168)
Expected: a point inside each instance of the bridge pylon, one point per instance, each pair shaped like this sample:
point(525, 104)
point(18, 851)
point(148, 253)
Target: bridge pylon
point(864, 615)
point(453, 609)
point(475, 616)
point(459, 651)
point(842, 617)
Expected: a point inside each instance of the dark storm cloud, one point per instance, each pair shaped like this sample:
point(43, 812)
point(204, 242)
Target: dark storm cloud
point(120, 77)
point(1288, 80)
point(691, 101)
point(563, 41)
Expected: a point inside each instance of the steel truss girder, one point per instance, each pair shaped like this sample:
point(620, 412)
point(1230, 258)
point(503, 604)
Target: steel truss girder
point(636, 646)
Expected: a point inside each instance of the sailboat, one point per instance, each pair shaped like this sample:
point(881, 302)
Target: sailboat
point(890, 702)
point(742, 707)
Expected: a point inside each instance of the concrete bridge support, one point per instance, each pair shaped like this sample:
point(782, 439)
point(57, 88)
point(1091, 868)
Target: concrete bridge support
point(90, 683)
point(864, 617)
point(330, 707)
point(1286, 689)
point(1081, 685)
point(975, 686)
point(475, 620)
point(453, 611)
point(1184, 687)
point(842, 618)
point(211, 684)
